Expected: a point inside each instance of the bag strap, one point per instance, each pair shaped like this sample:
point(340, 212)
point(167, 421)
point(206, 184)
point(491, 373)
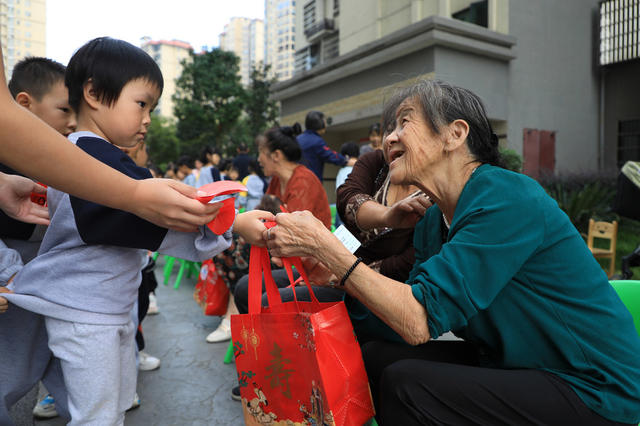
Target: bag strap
point(259, 265)
point(288, 262)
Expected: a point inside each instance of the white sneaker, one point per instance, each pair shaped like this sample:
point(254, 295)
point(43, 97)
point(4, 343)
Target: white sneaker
point(153, 305)
point(136, 402)
point(147, 362)
point(222, 333)
point(45, 408)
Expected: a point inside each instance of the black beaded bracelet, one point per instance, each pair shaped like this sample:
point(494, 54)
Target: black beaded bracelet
point(346, 276)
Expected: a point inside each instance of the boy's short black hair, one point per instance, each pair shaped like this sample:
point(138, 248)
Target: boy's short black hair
point(314, 121)
point(350, 149)
point(110, 64)
point(185, 160)
point(35, 75)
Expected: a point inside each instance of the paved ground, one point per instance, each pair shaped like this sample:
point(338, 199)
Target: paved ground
point(192, 386)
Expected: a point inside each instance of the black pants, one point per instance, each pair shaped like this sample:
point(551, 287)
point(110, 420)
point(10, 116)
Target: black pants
point(440, 383)
point(241, 292)
point(147, 286)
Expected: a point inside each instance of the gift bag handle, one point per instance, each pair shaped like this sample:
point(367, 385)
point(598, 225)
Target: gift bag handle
point(259, 266)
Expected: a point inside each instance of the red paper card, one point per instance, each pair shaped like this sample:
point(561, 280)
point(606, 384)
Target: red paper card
point(39, 198)
point(227, 213)
point(221, 187)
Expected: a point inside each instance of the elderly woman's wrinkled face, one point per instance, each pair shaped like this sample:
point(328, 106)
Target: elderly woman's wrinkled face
point(412, 146)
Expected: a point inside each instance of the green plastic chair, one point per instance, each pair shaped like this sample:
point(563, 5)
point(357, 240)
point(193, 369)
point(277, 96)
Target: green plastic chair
point(185, 266)
point(333, 209)
point(629, 292)
point(229, 355)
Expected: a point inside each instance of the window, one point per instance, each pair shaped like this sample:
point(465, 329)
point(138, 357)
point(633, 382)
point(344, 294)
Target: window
point(336, 8)
point(477, 13)
point(628, 141)
point(619, 31)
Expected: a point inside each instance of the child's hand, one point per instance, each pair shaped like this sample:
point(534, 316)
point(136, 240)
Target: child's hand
point(250, 226)
point(4, 303)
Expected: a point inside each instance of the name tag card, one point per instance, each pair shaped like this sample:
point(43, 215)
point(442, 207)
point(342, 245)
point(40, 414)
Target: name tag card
point(347, 239)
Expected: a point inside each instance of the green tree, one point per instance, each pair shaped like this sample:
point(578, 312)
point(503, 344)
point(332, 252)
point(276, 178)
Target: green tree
point(208, 100)
point(163, 143)
point(261, 112)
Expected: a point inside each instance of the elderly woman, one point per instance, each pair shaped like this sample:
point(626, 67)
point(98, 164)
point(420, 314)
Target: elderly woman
point(547, 340)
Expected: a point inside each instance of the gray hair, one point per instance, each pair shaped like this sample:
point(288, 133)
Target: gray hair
point(443, 103)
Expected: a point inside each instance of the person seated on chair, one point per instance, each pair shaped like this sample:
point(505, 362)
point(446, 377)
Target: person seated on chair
point(547, 339)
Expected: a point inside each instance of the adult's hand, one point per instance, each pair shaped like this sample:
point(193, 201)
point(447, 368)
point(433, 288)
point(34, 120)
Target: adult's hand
point(250, 226)
point(406, 213)
point(298, 234)
point(15, 199)
point(171, 204)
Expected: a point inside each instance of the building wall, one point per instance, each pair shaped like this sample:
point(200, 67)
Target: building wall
point(245, 38)
point(534, 67)
point(22, 31)
point(620, 81)
point(169, 56)
point(553, 83)
point(279, 39)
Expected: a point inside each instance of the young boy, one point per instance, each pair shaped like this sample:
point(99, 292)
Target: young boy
point(37, 84)
point(85, 278)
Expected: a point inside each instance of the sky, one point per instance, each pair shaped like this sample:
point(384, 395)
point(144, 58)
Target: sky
point(71, 23)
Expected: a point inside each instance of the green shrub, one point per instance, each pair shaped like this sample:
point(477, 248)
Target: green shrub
point(512, 160)
point(583, 196)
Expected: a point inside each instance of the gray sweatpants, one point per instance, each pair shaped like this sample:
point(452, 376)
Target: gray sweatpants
point(99, 369)
point(25, 359)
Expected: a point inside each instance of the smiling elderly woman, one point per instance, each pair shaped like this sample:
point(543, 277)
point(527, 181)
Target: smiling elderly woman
point(547, 340)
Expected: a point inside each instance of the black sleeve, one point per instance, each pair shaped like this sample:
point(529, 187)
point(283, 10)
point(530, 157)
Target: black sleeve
point(98, 224)
point(215, 174)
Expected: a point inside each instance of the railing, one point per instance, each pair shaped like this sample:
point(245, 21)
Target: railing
point(318, 27)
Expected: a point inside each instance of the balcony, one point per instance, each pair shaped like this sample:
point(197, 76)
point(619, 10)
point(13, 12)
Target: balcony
point(319, 30)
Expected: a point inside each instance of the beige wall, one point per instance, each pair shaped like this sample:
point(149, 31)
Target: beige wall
point(22, 30)
point(168, 56)
point(369, 21)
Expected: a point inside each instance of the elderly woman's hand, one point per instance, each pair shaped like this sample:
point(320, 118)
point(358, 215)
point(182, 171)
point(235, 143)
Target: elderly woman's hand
point(406, 213)
point(296, 234)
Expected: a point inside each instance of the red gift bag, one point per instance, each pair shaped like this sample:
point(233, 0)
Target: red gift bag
point(298, 362)
point(211, 293)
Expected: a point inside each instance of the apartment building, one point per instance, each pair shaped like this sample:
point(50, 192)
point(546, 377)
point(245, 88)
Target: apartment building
point(549, 92)
point(279, 29)
point(169, 55)
point(22, 30)
point(244, 37)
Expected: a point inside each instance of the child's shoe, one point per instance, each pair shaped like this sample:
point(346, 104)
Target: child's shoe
point(153, 305)
point(136, 402)
point(45, 408)
point(147, 362)
point(222, 333)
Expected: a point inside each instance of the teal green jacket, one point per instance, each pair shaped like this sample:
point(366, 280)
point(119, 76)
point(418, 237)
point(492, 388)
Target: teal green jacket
point(514, 276)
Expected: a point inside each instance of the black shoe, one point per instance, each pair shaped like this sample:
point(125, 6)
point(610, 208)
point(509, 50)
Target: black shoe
point(235, 393)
